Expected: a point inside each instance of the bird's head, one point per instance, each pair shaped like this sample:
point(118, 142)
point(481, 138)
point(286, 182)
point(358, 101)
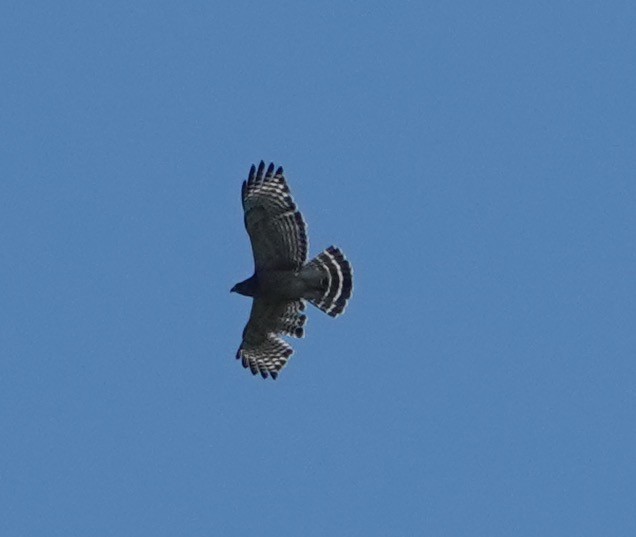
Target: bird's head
point(247, 287)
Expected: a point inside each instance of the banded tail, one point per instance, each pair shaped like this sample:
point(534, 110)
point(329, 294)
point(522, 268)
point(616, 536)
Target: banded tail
point(330, 278)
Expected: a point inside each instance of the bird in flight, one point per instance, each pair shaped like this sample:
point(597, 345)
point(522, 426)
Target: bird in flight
point(283, 279)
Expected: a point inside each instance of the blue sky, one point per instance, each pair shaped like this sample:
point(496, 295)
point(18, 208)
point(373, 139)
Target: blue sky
point(475, 161)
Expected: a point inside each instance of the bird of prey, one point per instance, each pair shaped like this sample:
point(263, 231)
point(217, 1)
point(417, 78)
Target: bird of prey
point(283, 279)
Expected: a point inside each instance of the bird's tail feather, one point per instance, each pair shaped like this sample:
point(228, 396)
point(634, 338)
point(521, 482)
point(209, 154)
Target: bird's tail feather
point(330, 279)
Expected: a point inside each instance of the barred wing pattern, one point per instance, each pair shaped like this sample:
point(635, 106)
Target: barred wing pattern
point(276, 228)
point(262, 350)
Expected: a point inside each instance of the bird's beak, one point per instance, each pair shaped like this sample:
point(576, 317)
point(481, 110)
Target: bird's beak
point(233, 290)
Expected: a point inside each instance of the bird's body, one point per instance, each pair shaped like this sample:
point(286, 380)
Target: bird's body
point(282, 278)
point(274, 285)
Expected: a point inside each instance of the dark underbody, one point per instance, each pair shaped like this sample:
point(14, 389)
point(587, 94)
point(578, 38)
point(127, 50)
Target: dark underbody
point(278, 284)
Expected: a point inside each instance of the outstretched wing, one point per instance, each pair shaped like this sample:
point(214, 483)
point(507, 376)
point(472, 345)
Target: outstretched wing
point(276, 228)
point(262, 348)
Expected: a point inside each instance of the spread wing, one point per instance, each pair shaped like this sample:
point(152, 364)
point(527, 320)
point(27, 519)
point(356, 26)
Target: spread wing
point(276, 228)
point(262, 348)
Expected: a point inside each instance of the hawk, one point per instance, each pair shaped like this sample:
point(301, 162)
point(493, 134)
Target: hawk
point(283, 279)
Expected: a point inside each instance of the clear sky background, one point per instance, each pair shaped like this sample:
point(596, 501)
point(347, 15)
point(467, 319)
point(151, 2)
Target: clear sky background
point(476, 162)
